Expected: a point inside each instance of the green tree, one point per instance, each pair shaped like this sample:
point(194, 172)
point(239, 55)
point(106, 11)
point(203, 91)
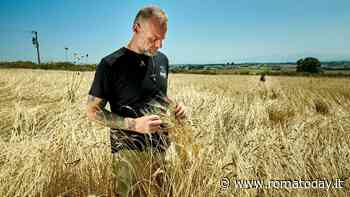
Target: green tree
point(309, 64)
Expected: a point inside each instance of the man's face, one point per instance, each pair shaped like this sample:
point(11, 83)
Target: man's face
point(151, 36)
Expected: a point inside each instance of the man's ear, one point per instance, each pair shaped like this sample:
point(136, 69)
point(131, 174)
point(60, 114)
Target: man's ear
point(136, 28)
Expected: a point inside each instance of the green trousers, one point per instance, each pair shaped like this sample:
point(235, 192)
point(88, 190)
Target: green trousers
point(134, 169)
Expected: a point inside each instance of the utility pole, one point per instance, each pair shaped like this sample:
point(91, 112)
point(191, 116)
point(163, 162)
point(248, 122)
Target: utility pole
point(76, 58)
point(36, 44)
point(66, 50)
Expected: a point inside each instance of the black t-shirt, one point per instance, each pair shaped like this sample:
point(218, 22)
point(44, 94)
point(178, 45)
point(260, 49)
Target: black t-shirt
point(128, 81)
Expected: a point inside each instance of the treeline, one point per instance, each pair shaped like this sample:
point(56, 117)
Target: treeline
point(260, 72)
point(49, 66)
point(198, 69)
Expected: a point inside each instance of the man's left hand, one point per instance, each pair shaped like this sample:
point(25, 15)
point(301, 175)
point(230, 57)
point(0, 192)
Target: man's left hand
point(180, 111)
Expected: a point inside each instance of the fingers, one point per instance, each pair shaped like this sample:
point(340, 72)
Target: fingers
point(180, 111)
point(177, 108)
point(154, 129)
point(154, 123)
point(153, 117)
point(180, 114)
point(168, 100)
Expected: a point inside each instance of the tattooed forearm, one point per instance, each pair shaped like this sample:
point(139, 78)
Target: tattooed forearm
point(98, 113)
point(131, 124)
point(101, 103)
point(110, 119)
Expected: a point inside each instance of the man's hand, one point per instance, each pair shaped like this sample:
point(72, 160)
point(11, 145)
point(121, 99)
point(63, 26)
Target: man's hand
point(144, 124)
point(180, 111)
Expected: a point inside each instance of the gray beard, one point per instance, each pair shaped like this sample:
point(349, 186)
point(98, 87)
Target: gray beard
point(146, 52)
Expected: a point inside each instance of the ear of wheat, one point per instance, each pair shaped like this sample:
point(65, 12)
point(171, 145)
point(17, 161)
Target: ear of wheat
point(180, 131)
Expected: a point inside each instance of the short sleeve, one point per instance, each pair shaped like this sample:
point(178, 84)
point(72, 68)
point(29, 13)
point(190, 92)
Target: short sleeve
point(167, 67)
point(167, 74)
point(100, 84)
point(163, 63)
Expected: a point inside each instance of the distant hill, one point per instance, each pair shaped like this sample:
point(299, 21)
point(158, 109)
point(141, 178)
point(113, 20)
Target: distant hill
point(49, 66)
point(276, 66)
point(334, 65)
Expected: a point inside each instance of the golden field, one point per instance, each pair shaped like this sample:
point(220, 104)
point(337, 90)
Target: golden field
point(287, 128)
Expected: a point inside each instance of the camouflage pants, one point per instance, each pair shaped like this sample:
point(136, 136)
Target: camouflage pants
point(134, 169)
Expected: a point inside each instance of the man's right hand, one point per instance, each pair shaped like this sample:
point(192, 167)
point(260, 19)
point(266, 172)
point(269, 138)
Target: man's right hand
point(144, 124)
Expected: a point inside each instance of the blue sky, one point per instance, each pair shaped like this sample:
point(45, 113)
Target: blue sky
point(198, 31)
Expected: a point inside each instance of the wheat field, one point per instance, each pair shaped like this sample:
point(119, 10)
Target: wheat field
point(238, 128)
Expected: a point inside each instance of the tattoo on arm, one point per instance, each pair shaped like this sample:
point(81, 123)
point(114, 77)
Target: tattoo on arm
point(91, 99)
point(131, 124)
point(109, 119)
point(102, 104)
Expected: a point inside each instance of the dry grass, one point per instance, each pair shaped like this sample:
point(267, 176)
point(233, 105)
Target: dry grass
point(288, 128)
